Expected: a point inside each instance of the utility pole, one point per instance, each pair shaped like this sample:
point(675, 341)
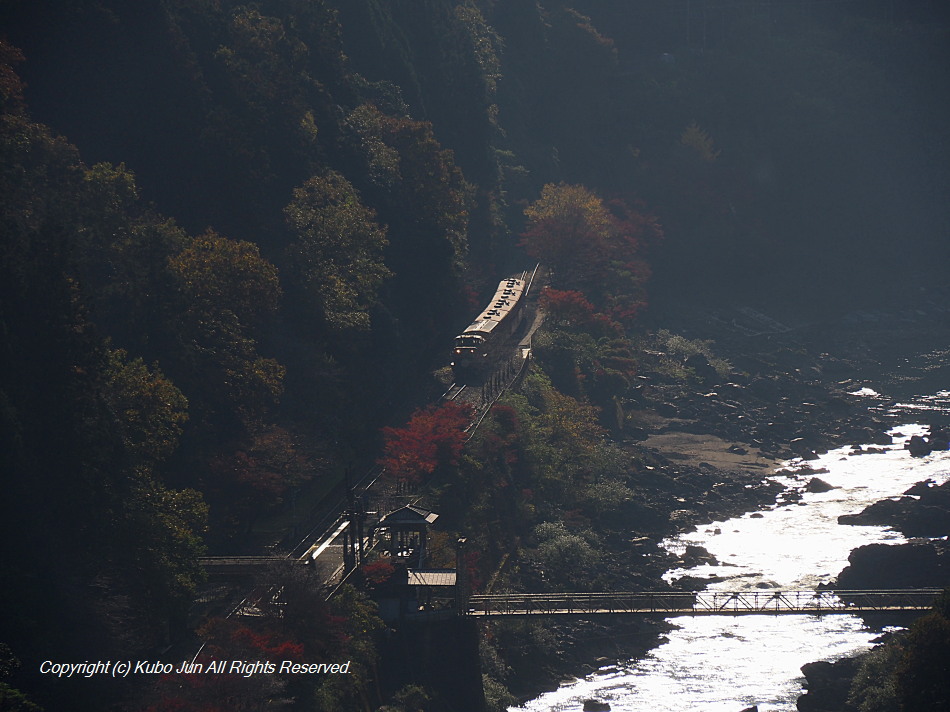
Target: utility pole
point(461, 580)
point(353, 536)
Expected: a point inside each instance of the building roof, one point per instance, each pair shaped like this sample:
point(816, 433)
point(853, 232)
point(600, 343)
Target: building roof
point(432, 577)
point(409, 515)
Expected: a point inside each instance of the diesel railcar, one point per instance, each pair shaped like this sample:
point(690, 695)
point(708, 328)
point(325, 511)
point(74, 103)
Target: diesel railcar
point(497, 321)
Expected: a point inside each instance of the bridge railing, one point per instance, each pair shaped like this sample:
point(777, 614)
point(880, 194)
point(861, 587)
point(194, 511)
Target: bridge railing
point(699, 603)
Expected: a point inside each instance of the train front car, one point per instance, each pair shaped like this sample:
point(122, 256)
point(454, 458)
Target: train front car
point(497, 321)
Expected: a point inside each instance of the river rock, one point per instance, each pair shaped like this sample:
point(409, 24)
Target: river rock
point(816, 484)
point(911, 565)
point(695, 555)
point(923, 511)
point(828, 685)
point(939, 439)
point(884, 513)
point(917, 446)
point(703, 369)
point(596, 706)
point(667, 410)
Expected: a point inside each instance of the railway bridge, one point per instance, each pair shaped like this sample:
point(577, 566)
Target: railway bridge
point(675, 603)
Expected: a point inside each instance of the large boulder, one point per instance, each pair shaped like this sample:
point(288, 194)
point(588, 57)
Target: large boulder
point(884, 566)
point(923, 511)
point(816, 484)
point(828, 685)
point(917, 446)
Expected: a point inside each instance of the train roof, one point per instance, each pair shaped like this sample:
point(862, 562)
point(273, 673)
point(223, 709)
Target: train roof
point(506, 297)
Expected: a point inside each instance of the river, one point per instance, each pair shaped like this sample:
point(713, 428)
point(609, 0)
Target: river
point(725, 663)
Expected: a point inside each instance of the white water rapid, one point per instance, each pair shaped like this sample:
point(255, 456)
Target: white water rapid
point(725, 663)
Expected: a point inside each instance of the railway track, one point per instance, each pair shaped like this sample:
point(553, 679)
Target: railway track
point(318, 545)
point(454, 391)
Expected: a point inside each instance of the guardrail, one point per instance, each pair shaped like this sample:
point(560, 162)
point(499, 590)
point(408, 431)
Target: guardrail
point(676, 603)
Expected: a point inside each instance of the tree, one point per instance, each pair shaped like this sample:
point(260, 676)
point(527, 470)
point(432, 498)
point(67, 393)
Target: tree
point(257, 473)
point(923, 674)
point(571, 308)
point(568, 227)
point(123, 253)
point(151, 411)
point(227, 292)
point(11, 699)
point(221, 275)
point(167, 526)
point(565, 556)
point(873, 688)
point(591, 245)
point(423, 197)
point(700, 141)
point(338, 256)
point(432, 438)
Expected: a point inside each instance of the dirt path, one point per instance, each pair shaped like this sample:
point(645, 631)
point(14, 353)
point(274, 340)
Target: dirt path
point(696, 448)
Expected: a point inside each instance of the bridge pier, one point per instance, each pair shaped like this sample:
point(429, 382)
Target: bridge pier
point(440, 655)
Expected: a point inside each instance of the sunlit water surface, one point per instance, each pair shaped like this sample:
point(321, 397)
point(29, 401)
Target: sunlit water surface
point(725, 663)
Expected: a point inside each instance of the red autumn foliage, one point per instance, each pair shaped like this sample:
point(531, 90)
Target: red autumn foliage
point(268, 646)
point(594, 245)
point(433, 438)
point(472, 561)
point(378, 572)
point(566, 305)
point(573, 308)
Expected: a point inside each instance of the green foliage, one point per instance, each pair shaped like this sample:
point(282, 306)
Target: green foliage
point(565, 437)
point(592, 246)
point(585, 352)
point(566, 558)
point(486, 43)
point(411, 698)
point(221, 275)
point(910, 671)
point(382, 161)
point(168, 524)
point(362, 624)
point(700, 141)
point(605, 498)
point(12, 700)
point(923, 674)
point(228, 289)
point(497, 696)
point(338, 256)
point(151, 411)
point(11, 88)
point(873, 688)
point(675, 350)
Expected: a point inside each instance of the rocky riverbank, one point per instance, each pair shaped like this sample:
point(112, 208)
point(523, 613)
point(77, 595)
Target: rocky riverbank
point(694, 467)
point(707, 443)
point(921, 513)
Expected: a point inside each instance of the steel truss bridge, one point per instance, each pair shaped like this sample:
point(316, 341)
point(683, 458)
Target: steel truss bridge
point(700, 603)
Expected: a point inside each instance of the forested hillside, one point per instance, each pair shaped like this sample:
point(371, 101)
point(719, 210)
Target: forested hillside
point(238, 237)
